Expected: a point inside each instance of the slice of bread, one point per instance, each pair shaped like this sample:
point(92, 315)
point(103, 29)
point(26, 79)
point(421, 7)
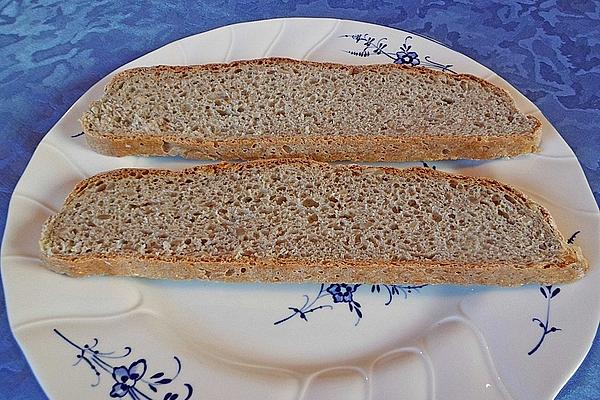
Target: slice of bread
point(298, 221)
point(280, 108)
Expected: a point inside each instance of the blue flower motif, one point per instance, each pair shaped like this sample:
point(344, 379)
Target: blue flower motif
point(371, 46)
point(341, 292)
point(126, 378)
point(403, 57)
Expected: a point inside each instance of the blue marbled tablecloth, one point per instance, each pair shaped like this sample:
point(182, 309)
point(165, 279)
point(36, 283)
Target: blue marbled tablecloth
point(51, 52)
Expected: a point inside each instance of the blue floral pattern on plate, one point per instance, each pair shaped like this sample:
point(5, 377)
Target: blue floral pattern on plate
point(372, 46)
point(126, 377)
point(342, 293)
point(549, 293)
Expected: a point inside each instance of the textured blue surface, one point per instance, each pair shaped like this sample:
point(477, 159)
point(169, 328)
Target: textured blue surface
point(52, 52)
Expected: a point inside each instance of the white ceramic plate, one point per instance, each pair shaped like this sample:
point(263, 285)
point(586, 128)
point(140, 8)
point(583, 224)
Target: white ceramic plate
point(139, 339)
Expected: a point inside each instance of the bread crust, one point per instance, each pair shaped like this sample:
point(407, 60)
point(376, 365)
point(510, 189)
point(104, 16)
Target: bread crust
point(380, 147)
point(570, 266)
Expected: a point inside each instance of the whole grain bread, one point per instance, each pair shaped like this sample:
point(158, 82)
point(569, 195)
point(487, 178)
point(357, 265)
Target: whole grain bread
point(305, 221)
point(280, 108)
